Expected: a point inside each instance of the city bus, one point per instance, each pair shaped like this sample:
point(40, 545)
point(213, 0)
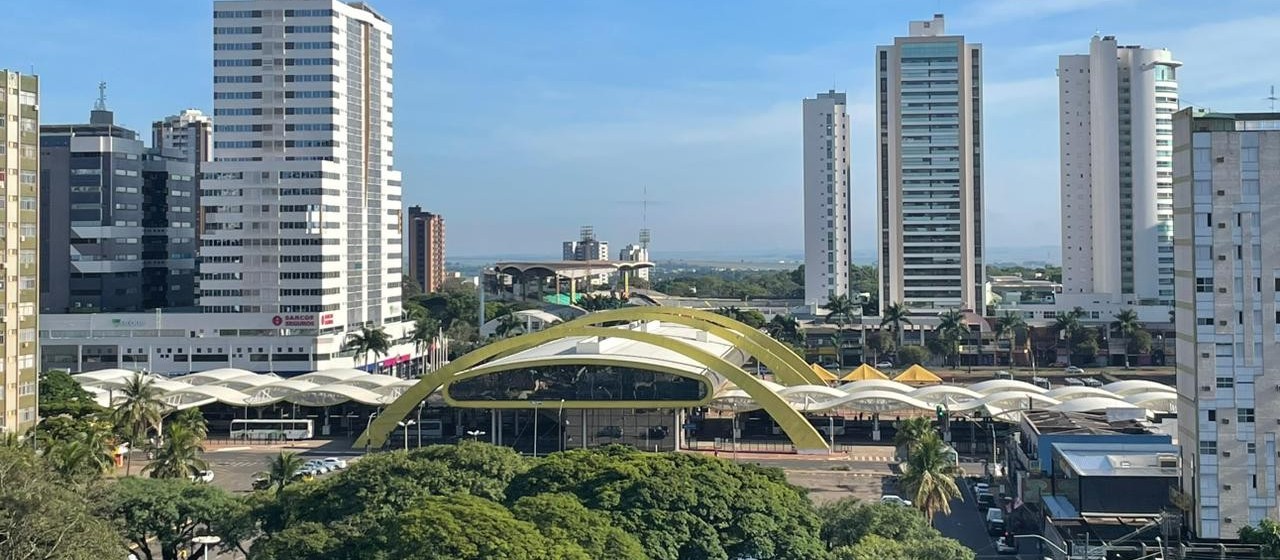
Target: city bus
point(269, 429)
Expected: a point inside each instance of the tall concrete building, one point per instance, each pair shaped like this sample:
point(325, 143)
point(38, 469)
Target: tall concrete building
point(826, 198)
point(1116, 106)
point(117, 221)
point(929, 170)
point(1226, 169)
point(636, 253)
point(302, 214)
point(19, 177)
point(189, 133)
point(587, 247)
point(426, 248)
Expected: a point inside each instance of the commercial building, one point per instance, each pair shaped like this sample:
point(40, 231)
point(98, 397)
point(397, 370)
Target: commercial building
point(929, 164)
point(1116, 106)
point(826, 198)
point(189, 133)
point(1226, 285)
point(117, 229)
point(302, 214)
point(425, 242)
point(19, 172)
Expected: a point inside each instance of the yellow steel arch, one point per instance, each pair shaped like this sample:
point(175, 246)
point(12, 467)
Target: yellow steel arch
point(789, 368)
point(798, 429)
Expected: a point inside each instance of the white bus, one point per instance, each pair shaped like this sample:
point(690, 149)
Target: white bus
point(267, 429)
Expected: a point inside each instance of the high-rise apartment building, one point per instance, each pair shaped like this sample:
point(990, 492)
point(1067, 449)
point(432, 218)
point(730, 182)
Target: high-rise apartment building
point(425, 242)
point(1116, 107)
point(189, 133)
point(302, 215)
point(587, 247)
point(929, 164)
point(19, 177)
point(826, 198)
point(117, 231)
point(1227, 288)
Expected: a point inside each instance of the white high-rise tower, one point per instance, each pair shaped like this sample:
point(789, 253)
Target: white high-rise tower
point(1116, 106)
point(826, 197)
point(301, 206)
point(929, 162)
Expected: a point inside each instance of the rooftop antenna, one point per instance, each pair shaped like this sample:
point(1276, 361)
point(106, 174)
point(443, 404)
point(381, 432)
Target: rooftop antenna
point(101, 103)
point(644, 220)
point(1272, 98)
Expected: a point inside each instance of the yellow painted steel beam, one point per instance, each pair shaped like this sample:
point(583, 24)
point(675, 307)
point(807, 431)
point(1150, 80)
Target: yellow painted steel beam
point(788, 368)
point(798, 429)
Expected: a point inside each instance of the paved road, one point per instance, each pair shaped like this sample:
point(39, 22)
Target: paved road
point(234, 467)
point(967, 525)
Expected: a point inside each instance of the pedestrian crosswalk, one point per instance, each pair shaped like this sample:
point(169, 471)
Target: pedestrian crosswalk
point(871, 459)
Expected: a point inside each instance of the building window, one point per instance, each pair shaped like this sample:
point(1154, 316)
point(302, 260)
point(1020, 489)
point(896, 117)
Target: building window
point(1244, 415)
point(1204, 285)
point(1226, 382)
point(1208, 448)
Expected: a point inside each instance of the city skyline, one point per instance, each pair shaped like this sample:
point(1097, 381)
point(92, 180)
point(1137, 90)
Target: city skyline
point(721, 125)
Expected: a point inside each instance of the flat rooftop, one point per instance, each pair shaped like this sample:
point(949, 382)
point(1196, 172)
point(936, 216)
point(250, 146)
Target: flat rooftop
point(1120, 459)
point(1058, 422)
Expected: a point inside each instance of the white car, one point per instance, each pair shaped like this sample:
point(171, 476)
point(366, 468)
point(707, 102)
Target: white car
point(1074, 381)
point(883, 365)
point(202, 476)
point(1073, 370)
point(1004, 546)
point(317, 466)
point(981, 487)
point(1091, 382)
point(334, 463)
point(893, 500)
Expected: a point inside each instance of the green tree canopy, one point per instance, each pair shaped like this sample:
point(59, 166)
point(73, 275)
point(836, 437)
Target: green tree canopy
point(683, 505)
point(60, 394)
point(42, 517)
point(172, 511)
point(1267, 534)
point(562, 518)
point(859, 531)
point(912, 354)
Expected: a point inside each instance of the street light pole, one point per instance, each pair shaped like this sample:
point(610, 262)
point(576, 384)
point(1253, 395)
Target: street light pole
point(420, 422)
point(560, 426)
point(535, 404)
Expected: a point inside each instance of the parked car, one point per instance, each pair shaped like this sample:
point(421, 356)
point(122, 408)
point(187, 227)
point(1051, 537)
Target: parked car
point(883, 365)
point(1074, 381)
point(890, 499)
point(609, 432)
point(334, 463)
point(985, 501)
point(981, 488)
point(318, 466)
point(261, 483)
point(1002, 374)
point(1092, 382)
point(995, 522)
point(202, 476)
point(1073, 370)
point(1041, 382)
point(1006, 545)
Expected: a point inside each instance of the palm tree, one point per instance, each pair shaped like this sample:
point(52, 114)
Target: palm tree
point(370, 341)
point(139, 410)
point(509, 325)
point(910, 433)
point(179, 455)
point(841, 310)
point(281, 468)
point(929, 477)
point(894, 316)
point(952, 328)
point(193, 421)
point(1127, 324)
point(784, 328)
point(423, 331)
point(82, 459)
point(1008, 325)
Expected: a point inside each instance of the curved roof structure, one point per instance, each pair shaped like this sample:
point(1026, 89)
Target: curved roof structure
point(236, 387)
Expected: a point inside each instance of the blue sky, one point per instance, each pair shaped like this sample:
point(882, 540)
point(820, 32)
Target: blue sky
point(522, 120)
